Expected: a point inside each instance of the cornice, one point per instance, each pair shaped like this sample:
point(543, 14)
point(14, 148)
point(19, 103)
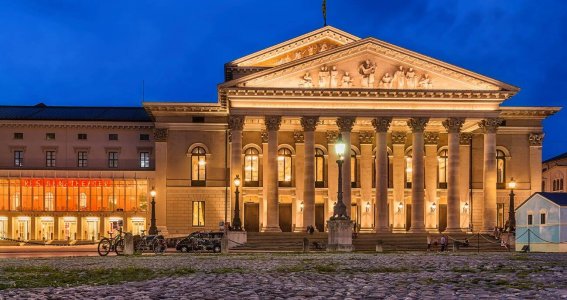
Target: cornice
point(186, 107)
point(50, 124)
point(526, 112)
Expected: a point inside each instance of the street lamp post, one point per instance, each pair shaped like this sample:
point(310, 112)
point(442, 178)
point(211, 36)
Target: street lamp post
point(153, 227)
point(236, 223)
point(339, 211)
point(511, 214)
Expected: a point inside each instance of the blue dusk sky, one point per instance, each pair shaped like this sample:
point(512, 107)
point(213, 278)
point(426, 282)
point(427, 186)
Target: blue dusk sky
point(72, 52)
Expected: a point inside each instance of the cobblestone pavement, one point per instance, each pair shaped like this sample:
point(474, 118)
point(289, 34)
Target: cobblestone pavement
point(315, 276)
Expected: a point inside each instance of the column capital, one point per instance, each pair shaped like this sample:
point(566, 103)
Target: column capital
point(309, 123)
point(332, 136)
point(365, 137)
point(490, 125)
point(453, 125)
point(235, 122)
point(298, 137)
point(345, 123)
point(160, 134)
point(417, 124)
point(465, 138)
point(431, 138)
point(399, 137)
point(264, 136)
point(272, 122)
point(382, 124)
point(536, 138)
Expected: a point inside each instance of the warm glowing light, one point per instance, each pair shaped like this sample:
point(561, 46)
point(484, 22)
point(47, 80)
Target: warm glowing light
point(288, 178)
point(340, 146)
point(249, 168)
point(512, 184)
point(367, 206)
point(153, 192)
point(433, 206)
point(281, 158)
point(237, 181)
point(202, 162)
point(301, 206)
point(408, 170)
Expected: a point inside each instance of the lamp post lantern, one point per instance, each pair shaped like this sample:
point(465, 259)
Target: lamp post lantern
point(236, 223)
point(511, 214)
point(339, 211)
point(153, 228)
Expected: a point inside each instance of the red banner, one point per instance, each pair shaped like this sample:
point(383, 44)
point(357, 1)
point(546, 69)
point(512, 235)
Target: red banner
point(48, 182)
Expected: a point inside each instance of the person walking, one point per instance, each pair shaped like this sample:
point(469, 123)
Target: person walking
point(443, 243)
point(428, 242)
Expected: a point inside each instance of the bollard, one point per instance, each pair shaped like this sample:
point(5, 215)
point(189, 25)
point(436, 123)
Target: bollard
point(224, 244)
point(305, 245)
point(128, 244)
point(379, 247)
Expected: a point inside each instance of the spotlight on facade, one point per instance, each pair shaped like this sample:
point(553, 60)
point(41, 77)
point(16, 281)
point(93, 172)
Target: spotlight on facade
point(466, 207)
point(400, 207)
point(301, 206)
point(433, 207)
point(367, 206)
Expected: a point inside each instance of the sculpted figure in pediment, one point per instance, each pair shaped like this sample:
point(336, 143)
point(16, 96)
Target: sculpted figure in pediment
point(425, 82)
point(298, 54)
point(399, 78)
point(410, 79)
point(323, 47)
point(386, 82)
point(334, 74)
point(307, 82)
point(347, 81)
point(367, 69)
point(324, 77)
point(311, 50)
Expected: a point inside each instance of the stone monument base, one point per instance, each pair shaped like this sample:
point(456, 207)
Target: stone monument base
point(340, 236)
point(236, 238)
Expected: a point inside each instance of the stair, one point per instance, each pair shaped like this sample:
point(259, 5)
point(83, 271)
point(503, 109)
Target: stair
point(293, 242)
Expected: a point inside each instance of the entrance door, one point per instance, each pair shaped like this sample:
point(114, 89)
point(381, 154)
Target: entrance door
point(442, 217)
point(408, 216)
point(92, 228)
point(252, 217)
point(320, 217)
point(47, 230)
point(70, 229)
point(23, 226)
point(138, 224)
point(3, 227)
point(355, 215)
point(285, 217)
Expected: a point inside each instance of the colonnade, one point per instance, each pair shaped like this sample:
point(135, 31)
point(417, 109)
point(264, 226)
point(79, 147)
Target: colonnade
point(420, 149)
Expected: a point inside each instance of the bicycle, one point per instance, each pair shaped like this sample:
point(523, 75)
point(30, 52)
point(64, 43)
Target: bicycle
point(115, 244)
point(155, 243)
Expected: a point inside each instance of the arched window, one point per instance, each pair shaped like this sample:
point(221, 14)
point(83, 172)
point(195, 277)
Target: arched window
point(83, 201)
point(284, 167)
point(251, 161)
point(49, 201)
point(500, 169)
point(198, 166)
point(319, 168)
point(408, 170)
point(353, 169)
point(442, 169)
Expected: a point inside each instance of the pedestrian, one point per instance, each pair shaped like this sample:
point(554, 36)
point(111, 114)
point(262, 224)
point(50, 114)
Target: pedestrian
point(428, 242)
point(443, 243)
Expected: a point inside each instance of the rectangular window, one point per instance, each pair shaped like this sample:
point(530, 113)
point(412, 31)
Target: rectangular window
point(18, 135)
point(144, 137)
point(113, 137)
point(82, 159)
point(198, 213)
point(19, 158)
point(542, 219)
point(144, 159)
point(82, 136)
point(530, 220)
point(50, 158)
point(113, 159)
point(198, 119)
point(500, 215)
point(50, 136)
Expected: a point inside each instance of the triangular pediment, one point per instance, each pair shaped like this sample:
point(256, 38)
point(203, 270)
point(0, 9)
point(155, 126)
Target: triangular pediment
point(309, 44)
point(373, 64)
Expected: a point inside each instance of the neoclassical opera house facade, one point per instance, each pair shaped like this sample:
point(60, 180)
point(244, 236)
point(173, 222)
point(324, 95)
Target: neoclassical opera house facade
point(431, 146)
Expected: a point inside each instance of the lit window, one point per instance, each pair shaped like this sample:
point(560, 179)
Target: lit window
point(353, 169)
point(500, 169)
point(49, 201)
point(198, 166)
point(408, 170)
point(83, 201)
point(284, 167)
point(319, 168)
point(82, 159)
point(16, 201)
point(113, 159)
point(144, 159)
point(251, 162)
point(18, 158)
point(198, 213)
point(50, 158)
point(443, 159)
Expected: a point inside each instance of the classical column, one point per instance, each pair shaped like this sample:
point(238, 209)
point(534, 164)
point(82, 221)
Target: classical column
point(235, 124)
point(332, 173)
point(431, 140)
point(398, 204)
point(265, 184)
point(159, 184)
point(464, 180)
point(489, 127)
point(536, 140)
point(272, 126)
point(381, 222)
point(299, 171)
point(365, 201)
point(453, 126)
point(417, 126)
point(345, 125)
point(309, 124)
